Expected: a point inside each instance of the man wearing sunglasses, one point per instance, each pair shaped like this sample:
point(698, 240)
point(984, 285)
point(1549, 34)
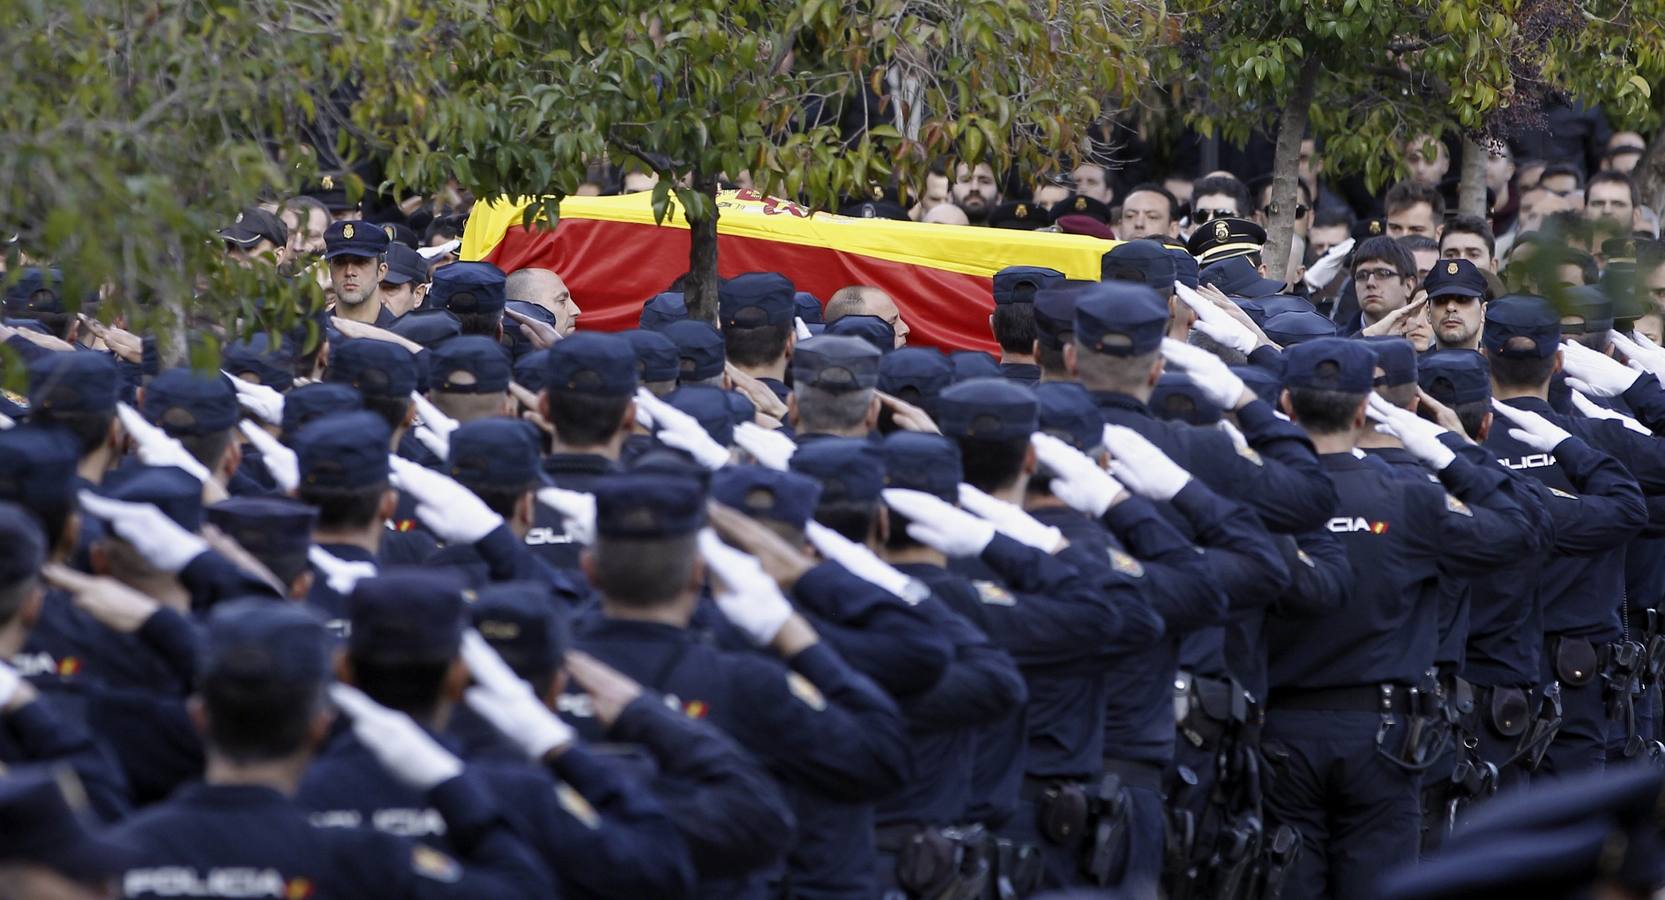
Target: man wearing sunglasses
point(1218, 197)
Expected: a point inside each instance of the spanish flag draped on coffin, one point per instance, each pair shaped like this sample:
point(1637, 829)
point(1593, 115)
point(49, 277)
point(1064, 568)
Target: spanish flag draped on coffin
point(613, 257)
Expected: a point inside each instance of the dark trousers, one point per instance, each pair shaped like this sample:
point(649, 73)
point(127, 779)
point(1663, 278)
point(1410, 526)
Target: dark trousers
point(1581, 744)
point(1358, 813)
point(1146, 844)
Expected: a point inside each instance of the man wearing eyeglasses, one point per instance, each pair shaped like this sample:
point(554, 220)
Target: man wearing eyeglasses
point(1384, 274)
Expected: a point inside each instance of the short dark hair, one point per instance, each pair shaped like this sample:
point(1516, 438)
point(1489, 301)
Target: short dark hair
point(1415, 242)
point(1473, 415)
point(393, 410)
point(344, 507)
point(1563, 168)
point(446, 227)
point(827, 411)
point(256, 722)
point(990, 465)
point(1612, 177)
point(1324, 412)
point(498, 498)
point(1224, 184)
point(642, 573)
point(758, 346)
point(850, 518)
point(1475, 225)
point(412, 688)
point(1384, 249)
point(1407, 194)
point(585, 420)
point(1152, 187)
point(1014, 327)
point(484, 323)
point(1050, 359)
point(91, 429)
point(207, 448)
point(1519, 371)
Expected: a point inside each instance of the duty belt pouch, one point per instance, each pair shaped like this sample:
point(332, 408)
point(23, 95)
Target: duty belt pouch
point(1461, 699)
point(1061, 814)
point(1214, 706)
point(926, 865)
point(1575, 661)
point(1106, 853)
point(1508, 712)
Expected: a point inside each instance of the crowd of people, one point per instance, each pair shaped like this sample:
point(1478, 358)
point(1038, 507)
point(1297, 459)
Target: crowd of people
point(1341, 582)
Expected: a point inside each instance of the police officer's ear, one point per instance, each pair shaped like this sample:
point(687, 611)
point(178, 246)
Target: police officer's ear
point(98, 558)
point(114, 435)
point(231, 458)
point(525, 510)
point(1070, 358)
point(381, 272)
point(1155, 374)
point(791, 343)
point(29, 613)
point(586, 565)
point(1558, 361)
point(410, 416)
point(792, 409)
point(65, 544)
point(696, 574)
point(390, 505)
point(871, 423)
point(419, 294)
point(881, 526)
point(991, 326)
point(1287, 407)
point(627, 421)
point(301, 587)
point(1030, 462)
point(1484, 430)
point(456, 680)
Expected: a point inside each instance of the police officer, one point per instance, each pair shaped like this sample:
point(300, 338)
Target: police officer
point(277, 531)
point(657, 363)
point(823, 729)
point(201, 412)
point(700, 353)
point(468, 378)
point(264, 711)
point(661, 310)
point(78, 392)
point(833, 382)
point(474, 292)
point(872, 329)
point(1346, 689)
point(353, 250)
point(595, 830)
point(404, 287)
point(1013, 319)
point(757, 310)
point(342, 461)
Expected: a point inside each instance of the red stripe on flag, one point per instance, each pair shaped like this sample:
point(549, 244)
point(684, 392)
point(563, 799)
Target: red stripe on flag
point(613, 267)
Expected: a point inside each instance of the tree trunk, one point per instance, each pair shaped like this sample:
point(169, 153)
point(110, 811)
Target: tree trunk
point(1650, 172)
point(1286, 165)
point(1471, 188)
point(700, 289)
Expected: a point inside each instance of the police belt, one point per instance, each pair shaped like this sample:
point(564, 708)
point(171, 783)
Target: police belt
point(1136, 773)
point(1376, 698)
point(892, 838)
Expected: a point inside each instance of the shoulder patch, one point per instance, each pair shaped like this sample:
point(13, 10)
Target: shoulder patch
point(993, 594)
point(1126, 564)
point(1249, 454)
point(434, 865)
point(1452, 504)
point(805, 691)
point(576, 806)
point(1563, 494)
point(1305, 559)
point(16, 398)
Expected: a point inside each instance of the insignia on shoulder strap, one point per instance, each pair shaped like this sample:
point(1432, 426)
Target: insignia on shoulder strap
point(993, 594)
point(1126, 564)
point(1249, 454)
point(1563, 494)
point(805, 691)
point(1452, 504)
point(430, 863)
point(576, 806)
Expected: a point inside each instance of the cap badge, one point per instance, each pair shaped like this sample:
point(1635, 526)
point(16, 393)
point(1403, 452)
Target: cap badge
point(1021, 212)
point(1080, 204)
point(347, 231)
point(1375, 227)
point(388, 230)
point(878, 192)
point(1221, 230)
point(1450, 268)
point(327, 183)
point(238, 220)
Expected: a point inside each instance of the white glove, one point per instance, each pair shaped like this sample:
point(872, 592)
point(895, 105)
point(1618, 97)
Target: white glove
point(1531, 429)
point(451, 511)
point(9, 681)
point(864, 564)
point(281, 462)
point(1592, 410)
point(156, 448)
point(1076, 479)
point(1211, 375)
point(342, 576)
point(576, 507)
point(1142, 466)
point(746, 594)
point(682, 431)
point(1606, 376)
point(406, 751)
point(1327, 267)
point(770, 448)
point(1011, 521)
point(159, 539)
point(261, 401)
point(940, 525)
point(801, 329)
point(1420, 436)
point(507, 702)
point(1215, 323)
point(1638, 349)
point(6, 422)
point(439, 426)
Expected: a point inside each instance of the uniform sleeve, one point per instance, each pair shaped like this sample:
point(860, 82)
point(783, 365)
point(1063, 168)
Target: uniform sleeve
point(607, 833)
point(731, 814)
point(494, 861)
point(1643, 456)
point(1646, 400)
point(822, 723)
point(210, 578)
point(176, 641)
point(1283, 481)
point(879, 634)
point(1320, 575)
point(981, 685)
point(1239, 555)
point(1481, 526)
point(47, 738)
point(1609, 509)
point(1049, 613)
